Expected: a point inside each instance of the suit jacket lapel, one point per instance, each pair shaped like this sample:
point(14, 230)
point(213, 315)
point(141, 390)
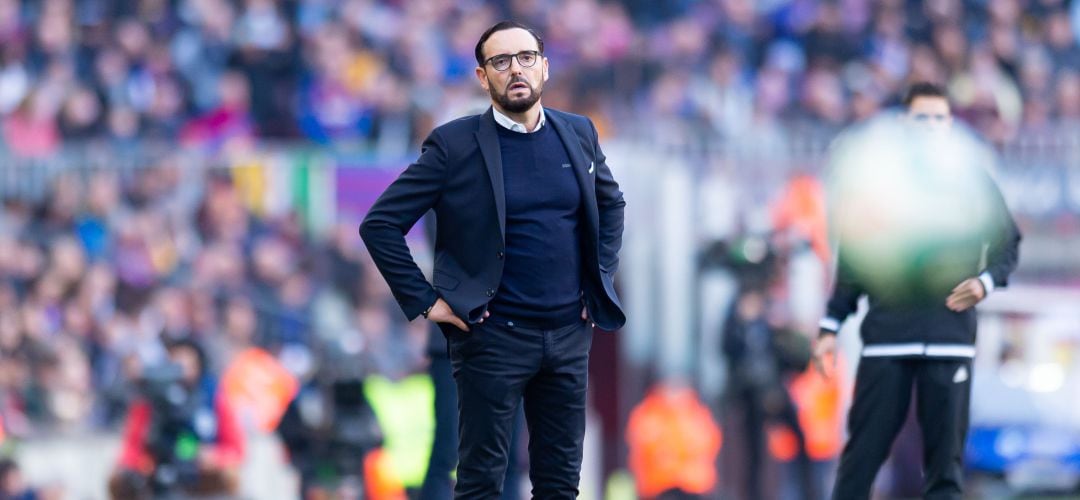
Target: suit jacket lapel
point(581, 168)
point(488, 138)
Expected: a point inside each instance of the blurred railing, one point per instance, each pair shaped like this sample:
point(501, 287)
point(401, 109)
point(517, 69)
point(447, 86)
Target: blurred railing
point(30, 178)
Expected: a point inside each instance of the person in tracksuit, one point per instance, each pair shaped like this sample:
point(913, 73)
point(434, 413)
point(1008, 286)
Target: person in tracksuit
point(924, 340)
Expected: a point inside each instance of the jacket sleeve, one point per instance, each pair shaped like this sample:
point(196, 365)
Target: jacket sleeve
point(383, 230)
point(610, 205)
point(844, 299)
point(1003, 240)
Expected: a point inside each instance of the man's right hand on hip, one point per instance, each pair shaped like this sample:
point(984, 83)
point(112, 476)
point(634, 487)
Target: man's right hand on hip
point(441, 313)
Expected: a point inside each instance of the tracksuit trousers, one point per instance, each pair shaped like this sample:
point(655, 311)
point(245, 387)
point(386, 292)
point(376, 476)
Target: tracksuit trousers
point(883, 388)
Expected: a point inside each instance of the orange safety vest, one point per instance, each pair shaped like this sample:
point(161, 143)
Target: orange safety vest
point(802, 206)
point(380, 480)
point(819, 402)
point(674, 442)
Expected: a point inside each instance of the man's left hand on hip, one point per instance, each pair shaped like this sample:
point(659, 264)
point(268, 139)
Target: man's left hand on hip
point(966, 294)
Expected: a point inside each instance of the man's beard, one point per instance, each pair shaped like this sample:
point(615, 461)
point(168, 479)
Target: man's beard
point(515, 105)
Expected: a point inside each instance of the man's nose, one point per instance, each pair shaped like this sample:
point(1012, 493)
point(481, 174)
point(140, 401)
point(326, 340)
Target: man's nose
point(515, 67)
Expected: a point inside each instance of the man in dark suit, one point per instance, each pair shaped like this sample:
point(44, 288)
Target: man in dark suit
point(529, 223)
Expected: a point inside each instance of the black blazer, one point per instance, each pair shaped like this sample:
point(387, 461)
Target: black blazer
point(459, 176)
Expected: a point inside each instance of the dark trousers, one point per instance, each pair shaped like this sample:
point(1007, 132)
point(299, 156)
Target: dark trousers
point(496, 366)
point(439, 481)
point(882, 395)
point(760, 406)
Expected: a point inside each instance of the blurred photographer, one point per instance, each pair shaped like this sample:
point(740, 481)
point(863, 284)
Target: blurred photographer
point(330, 428)
point(762, 354)
point(181, 437)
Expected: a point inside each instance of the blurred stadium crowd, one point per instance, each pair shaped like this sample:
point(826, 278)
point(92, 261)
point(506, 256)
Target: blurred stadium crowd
point(382, 73)
point(96, 280)
point(97, 274)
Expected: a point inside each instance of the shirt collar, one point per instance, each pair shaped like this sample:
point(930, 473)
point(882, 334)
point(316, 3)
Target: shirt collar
point(507, 123)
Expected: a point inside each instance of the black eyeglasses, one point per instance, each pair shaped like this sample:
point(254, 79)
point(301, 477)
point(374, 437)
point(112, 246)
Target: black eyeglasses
point(526, 58)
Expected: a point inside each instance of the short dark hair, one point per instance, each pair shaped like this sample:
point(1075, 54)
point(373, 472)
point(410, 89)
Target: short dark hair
point(503, 26)
point(174, 344)
point(923, 89)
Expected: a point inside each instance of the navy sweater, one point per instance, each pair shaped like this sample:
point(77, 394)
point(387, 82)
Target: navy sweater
point(541, 282)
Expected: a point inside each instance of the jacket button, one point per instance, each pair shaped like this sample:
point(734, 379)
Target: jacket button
point(500, 255)
point(490, 292)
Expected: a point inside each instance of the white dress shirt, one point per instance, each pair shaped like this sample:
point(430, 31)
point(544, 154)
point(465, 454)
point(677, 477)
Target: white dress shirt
point(507, 123)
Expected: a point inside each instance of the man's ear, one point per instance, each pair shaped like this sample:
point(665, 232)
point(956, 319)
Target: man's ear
point(481, 75)
point(545, 69)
